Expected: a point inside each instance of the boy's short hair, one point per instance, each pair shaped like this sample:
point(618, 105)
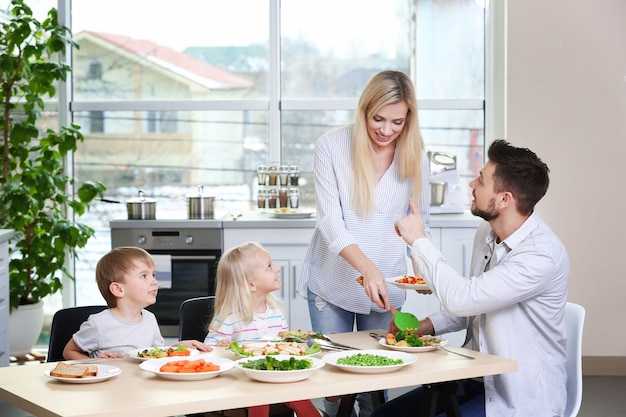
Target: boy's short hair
point(112, 267)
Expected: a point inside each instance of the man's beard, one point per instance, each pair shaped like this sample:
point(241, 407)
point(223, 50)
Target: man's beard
point(490, 214)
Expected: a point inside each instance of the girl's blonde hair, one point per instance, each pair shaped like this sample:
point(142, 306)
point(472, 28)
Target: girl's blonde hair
point(232, 293)
point(386, 87)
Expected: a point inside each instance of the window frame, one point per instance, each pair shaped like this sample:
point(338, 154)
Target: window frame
point(274, 104)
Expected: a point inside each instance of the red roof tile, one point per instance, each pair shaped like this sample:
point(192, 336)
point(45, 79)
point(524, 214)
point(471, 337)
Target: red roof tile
point(177, 62)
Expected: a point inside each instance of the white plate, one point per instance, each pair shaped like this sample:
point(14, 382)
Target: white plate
point(104, 372)
point(332, 358)
point(411, 349)
point(261, 345)
point(153, 365)
point(292, 214)
point(279, 376)
point(407, 286)
point(132, 354)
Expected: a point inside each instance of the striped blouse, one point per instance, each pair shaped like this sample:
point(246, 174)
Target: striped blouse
point(263, 326)
point(324, 271)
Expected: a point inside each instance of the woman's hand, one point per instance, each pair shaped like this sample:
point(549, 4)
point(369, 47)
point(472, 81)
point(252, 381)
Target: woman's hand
point(376, 288)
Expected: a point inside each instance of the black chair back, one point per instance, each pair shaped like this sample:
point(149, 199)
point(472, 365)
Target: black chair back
point(65, 323)
point(194, 317)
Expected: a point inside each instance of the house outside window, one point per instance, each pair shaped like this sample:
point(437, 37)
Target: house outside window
point(96, 121)
point(161, 122)
point(95, 71)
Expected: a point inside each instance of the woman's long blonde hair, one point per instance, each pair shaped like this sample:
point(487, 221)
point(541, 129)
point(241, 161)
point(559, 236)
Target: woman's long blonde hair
point(386, 87)
point(232, 293)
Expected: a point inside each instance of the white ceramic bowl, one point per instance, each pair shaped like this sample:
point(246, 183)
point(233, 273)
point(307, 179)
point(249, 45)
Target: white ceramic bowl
point(280, 376)
point(406, 358)
point(153, 365)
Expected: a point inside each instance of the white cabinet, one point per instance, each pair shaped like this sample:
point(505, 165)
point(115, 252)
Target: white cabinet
point(456, 245)
point(5, 359)
point(287, 247)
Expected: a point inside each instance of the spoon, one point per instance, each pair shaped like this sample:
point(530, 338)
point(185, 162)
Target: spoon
point(401, 319)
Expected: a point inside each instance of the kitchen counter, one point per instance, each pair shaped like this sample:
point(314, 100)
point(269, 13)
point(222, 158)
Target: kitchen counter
point(259, 219)
point(266, 220)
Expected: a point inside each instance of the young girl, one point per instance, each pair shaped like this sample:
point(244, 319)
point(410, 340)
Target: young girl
point(246, 309)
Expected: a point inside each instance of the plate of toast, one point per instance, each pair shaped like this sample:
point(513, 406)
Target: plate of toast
point(82, 373)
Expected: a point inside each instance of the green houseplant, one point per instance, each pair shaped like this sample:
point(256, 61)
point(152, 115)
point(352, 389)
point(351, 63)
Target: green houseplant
point(36, 194)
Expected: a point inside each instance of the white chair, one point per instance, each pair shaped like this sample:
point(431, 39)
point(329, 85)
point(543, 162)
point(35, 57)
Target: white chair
point(574, 321)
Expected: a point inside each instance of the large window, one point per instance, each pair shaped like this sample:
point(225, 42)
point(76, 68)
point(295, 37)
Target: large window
point(201, 92)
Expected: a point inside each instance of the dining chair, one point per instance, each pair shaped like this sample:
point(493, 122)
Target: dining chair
point(194, 317)
point(574, 322)
point(65, 323)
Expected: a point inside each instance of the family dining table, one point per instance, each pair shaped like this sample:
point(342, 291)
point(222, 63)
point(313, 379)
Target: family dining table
point(137, 392)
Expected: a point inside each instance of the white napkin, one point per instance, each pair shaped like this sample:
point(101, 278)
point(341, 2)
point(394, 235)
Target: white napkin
point(163, 267)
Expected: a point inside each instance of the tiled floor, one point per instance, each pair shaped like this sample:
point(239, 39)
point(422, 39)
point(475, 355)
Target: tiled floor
point(603, 396)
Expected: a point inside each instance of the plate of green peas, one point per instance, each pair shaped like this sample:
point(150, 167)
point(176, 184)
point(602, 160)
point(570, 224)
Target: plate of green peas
point(373, 361)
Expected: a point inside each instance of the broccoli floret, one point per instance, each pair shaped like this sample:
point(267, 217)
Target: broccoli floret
point(414, 340)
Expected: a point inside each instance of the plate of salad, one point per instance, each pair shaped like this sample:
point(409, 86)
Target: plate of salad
point(411, 342)
point(373, 361)
point(279, 368)
point(156, 352)
point(274, 348)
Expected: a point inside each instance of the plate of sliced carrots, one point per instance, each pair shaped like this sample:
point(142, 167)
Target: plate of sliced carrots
point(198, 368)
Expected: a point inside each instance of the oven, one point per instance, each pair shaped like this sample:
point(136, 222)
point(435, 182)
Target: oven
point(186, 253)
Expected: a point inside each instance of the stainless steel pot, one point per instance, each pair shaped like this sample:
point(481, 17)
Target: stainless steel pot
point(200, 206)
point(141, 208)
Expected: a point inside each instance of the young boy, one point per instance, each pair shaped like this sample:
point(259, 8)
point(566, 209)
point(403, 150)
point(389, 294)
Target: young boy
point(126, 280)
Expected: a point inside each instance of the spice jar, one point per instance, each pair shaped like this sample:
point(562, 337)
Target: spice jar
point(283, 174)
point(282, 197)
point(272, 198)
point(294, 175)
point(262, 174)
point(294, 197)
point(262, 198)
point(273, 174)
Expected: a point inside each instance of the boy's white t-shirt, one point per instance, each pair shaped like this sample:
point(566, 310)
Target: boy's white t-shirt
point(103, 332)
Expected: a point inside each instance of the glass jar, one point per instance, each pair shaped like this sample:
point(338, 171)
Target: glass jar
point(273, 174)
point(261, 172)
point(294, 198)
point(283, 197)
point(294, 175)
point(272, 199)
point(283, 174)
point(262, 198)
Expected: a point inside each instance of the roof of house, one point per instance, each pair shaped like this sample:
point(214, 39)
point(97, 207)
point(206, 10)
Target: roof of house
point(168, 59)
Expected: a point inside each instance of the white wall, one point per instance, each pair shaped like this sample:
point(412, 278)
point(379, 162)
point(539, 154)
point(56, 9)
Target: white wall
point(566, 100)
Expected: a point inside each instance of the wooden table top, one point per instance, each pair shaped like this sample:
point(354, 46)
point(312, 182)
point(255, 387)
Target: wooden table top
point(138, 392)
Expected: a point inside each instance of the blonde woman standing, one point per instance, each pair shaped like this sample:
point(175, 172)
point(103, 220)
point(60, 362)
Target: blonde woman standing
point(365, 174)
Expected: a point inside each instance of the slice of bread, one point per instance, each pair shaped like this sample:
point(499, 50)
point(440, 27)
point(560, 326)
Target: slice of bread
point(67, 370)
point(92, 370)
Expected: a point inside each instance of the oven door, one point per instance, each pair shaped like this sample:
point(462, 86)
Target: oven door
point(192, 275)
